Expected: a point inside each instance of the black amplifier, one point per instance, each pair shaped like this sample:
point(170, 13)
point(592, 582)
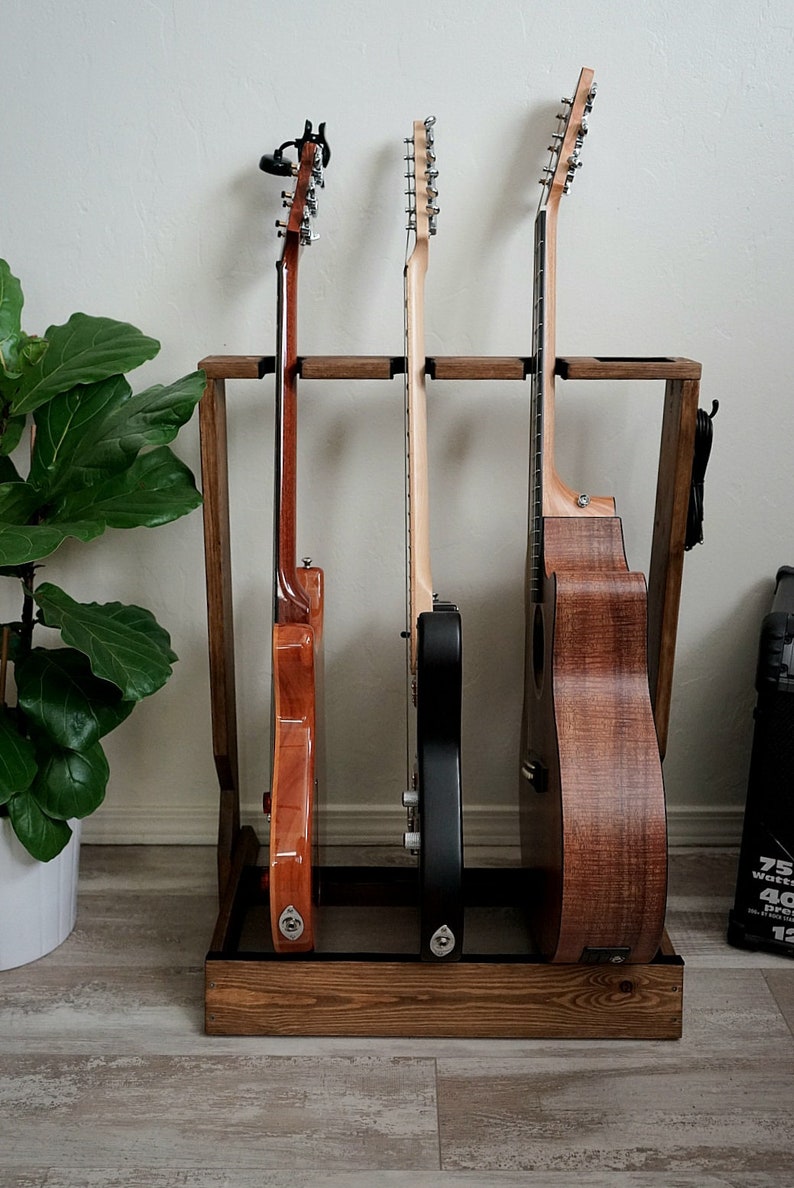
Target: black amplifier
point(763, 913)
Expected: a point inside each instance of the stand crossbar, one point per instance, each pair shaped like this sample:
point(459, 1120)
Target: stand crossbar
point(253, 991)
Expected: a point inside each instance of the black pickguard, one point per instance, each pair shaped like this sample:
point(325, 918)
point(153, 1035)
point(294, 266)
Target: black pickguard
point(438, 706)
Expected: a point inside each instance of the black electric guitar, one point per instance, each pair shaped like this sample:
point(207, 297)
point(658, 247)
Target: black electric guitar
point(433, 799)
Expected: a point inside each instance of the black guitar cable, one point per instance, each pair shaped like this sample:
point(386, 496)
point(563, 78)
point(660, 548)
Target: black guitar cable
point(704, 432)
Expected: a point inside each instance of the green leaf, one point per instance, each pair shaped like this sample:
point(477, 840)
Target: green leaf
point(124, 644)
point(22, 543)
point(11, 302)
point(85, 349)
point(41, 836)
point(156, 489)
point(72, 423)
point(17, 353)
point(71, 783)
point(11, 436)
point(17, 760)
point(88, 434)
point(18, 502)
point(59, 692)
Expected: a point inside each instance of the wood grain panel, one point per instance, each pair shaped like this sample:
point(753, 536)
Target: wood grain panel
point(616, 1116)
point(473, 367)
point(222, 1112)
point(237, 366)
point(626, 368)
point(471, 998)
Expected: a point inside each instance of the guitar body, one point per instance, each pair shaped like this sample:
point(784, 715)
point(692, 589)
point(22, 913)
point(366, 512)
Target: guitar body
point(438, 709)
point(297, 664)
point(593, 822)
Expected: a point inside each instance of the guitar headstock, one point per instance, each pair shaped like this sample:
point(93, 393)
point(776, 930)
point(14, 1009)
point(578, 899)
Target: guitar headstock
point(568, 140)
point(308, 172)
point(421, 176)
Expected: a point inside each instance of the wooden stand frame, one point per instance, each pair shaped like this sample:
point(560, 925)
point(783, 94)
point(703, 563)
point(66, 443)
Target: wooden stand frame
point(364, 994)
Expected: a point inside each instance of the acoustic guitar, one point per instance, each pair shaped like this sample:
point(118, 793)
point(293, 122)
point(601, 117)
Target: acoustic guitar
point(593, 823)
point(433, 799)
point(298, 592)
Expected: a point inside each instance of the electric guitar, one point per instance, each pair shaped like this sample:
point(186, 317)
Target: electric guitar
point(433, 799)
point(593, 820)
point(298, 592)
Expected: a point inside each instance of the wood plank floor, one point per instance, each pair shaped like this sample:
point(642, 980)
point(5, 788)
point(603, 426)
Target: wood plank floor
point(106, 1077)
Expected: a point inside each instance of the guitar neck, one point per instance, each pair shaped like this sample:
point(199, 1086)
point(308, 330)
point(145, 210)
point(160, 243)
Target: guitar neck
point(291, 601)
point(421, 191)
point(420, 581)
point(549, 495)
point(541, 395)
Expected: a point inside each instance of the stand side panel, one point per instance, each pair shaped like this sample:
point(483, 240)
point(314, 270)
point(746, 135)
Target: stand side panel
point(220, 622)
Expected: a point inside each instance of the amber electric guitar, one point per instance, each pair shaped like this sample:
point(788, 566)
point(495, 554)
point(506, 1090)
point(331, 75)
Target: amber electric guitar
point(298, 592)
point(592, 800)
point(433, 798)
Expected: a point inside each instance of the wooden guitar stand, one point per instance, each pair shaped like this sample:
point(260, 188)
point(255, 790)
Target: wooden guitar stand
point(510, 994)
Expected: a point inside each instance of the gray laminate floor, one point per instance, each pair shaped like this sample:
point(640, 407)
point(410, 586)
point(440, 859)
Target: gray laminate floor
point(106, 1077)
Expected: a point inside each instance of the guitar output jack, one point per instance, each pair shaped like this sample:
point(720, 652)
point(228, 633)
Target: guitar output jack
point(442, 942)
point(290, 923)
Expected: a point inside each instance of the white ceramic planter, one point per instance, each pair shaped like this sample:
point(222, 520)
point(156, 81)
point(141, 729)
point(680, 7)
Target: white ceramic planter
point(38, 900)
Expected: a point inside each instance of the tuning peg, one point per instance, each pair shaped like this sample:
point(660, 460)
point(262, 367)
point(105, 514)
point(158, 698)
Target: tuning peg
point(432, 226)
point(432, 209)
point(279, 223)
point(567, 102)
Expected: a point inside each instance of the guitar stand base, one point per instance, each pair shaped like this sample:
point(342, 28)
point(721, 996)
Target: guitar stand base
point(342, 990)
point(490, 992)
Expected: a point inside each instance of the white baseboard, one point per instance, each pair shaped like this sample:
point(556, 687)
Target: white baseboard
point(359, 825)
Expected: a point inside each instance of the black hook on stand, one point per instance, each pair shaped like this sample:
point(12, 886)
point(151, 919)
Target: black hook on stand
point(276, 163)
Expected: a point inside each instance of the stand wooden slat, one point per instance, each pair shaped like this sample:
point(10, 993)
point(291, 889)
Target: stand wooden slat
point(373, 994)
point(489, 999)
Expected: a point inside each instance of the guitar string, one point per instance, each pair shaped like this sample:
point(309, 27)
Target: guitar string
point(407, 515)
point(410, 177)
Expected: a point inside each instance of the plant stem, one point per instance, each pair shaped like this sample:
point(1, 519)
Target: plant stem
point(4, 664)
point(27, 574)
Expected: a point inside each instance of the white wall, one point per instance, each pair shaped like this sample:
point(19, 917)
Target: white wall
point(131, 136)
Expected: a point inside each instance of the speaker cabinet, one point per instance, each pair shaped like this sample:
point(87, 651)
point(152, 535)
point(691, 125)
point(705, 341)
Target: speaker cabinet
point(763, 912)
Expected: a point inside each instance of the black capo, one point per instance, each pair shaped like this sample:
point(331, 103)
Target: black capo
point(275, 162)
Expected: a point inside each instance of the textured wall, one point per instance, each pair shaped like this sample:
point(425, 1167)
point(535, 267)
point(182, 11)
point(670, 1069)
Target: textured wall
point(131, 135)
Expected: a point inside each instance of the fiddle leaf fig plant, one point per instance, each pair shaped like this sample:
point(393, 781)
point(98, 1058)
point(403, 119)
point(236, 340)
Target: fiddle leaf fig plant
point(99, 458)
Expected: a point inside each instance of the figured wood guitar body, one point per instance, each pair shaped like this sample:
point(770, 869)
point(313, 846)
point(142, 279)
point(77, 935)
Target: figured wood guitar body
point(594, 826)
point(593, 821)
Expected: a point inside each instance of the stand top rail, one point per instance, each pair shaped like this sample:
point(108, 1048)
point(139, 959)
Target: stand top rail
point(454, 367)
